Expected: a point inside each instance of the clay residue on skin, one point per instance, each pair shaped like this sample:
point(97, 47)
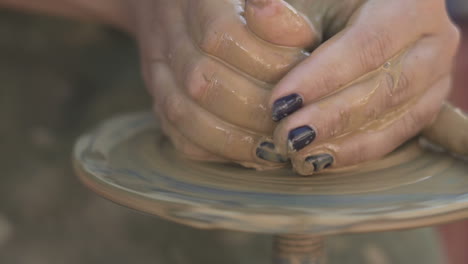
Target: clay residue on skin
point(359, 115)
point(359, 111)
point(224, 139)
point(237, 103)
point(272, 20)
point(362, 114)
point(230, 42)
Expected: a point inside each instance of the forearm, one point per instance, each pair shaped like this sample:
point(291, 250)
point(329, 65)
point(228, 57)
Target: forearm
point(114, 12)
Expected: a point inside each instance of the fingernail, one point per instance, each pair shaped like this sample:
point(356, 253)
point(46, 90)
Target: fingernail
point(266, 151)
point(321, 161)
point(286, 106)
point(300, 137)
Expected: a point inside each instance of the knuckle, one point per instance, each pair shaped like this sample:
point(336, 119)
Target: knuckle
point(175, 53)
point(398, 89)
point(403, 83)
point(198, 79)
point(374, 47)
point(402, 89)
point(335, 124)
point(212, 35)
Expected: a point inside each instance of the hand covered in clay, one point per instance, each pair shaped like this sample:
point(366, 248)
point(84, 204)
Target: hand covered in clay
point(211, 78)
point(380, 76)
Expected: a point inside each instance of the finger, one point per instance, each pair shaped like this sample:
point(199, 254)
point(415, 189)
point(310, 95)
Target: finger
point(219, 30)
point(182, 144)
point(219, 89)
point(279, 23)
point(376, 139)
point(204, 129)
point(402, 78)
point(228, 96)
point(360, 48)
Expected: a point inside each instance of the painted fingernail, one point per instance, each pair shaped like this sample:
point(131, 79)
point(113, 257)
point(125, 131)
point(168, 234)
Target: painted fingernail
point(286, 106)
point(266, 151)
point(321, 161)
point(300, 137)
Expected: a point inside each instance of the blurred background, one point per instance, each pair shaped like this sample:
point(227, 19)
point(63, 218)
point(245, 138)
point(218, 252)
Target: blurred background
point(58, 79)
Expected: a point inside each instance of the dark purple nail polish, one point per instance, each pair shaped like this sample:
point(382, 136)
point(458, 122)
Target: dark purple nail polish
point(286, 106)
point(266, 151)
point(300, 137)
point(321, 161)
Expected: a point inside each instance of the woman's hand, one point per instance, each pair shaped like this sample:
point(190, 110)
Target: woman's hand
point(379, 78)
point(211, 78)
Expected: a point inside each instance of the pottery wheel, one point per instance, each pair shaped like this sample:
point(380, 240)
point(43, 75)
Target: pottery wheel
point(129, 161)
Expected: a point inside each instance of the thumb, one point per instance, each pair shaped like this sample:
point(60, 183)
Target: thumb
point(279, 23)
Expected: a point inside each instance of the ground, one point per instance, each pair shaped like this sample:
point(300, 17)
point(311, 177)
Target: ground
point(60, 78)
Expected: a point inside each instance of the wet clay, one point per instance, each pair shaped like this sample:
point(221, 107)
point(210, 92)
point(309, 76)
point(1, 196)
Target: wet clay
point(306, 23)
point(450, 130)
point(279, 19)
